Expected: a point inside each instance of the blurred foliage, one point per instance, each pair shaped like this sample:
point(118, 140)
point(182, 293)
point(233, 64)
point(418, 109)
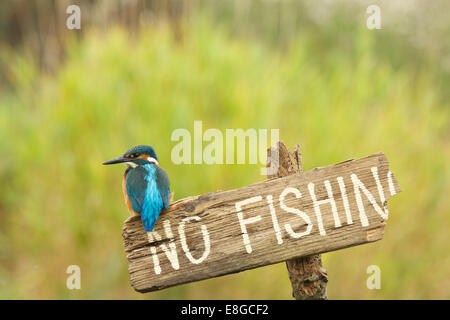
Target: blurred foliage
point(339, 90)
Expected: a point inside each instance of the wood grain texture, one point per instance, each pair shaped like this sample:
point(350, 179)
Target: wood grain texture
point(308, 277)
point(216, 212)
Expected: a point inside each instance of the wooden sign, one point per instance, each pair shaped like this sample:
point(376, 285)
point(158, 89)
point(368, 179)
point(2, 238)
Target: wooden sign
point(224, 232)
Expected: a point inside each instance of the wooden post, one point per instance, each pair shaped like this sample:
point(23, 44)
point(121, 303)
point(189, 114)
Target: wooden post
point(308, 278)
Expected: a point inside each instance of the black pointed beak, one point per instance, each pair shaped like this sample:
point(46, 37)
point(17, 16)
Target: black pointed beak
point(116, 160)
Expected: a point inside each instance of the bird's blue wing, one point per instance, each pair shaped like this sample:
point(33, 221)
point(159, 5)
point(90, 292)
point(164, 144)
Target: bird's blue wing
point(162, 180)
point(153, 202)
point(136, 186)
point(148, 190)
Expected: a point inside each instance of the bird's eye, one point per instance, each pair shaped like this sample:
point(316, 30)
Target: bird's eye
point(135, 155)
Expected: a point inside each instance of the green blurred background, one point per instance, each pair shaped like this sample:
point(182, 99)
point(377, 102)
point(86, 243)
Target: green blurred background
point(137, 70)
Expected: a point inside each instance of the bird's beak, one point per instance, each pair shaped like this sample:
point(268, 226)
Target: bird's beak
point(116, 160)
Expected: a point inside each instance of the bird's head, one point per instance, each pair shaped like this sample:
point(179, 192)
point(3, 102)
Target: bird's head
point(136, 156)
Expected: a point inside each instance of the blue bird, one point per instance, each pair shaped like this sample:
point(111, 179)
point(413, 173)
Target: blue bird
point(145, 185)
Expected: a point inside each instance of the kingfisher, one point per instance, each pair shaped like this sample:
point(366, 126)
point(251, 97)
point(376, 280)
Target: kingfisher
point(146, 187)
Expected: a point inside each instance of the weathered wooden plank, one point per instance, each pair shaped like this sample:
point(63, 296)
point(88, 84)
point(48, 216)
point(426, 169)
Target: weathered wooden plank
point(208, 236)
